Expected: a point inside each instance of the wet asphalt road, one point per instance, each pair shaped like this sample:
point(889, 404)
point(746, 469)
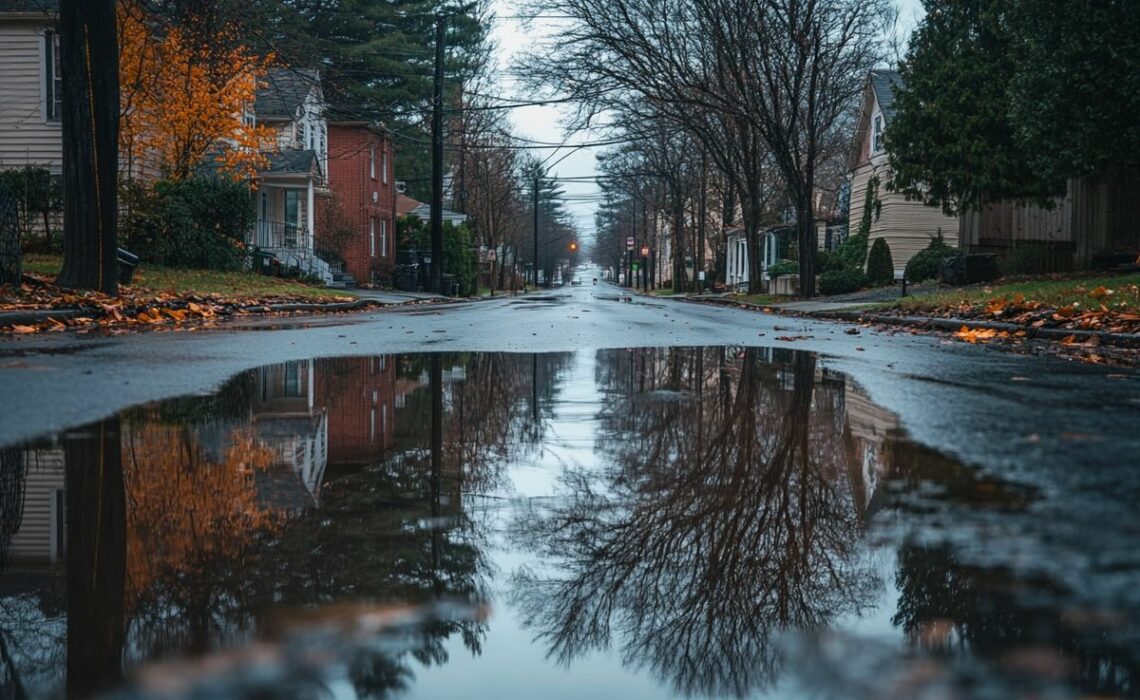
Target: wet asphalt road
point(947, 394)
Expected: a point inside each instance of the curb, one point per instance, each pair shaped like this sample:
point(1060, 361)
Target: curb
point(30, 316)
point(1123, 340)
point(1126, 340)
point(34, 316)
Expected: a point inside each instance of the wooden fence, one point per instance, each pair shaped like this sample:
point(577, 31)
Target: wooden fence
point(1096, 219)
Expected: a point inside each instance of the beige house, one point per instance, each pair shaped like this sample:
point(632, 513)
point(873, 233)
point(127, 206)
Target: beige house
point(30, 87)
point(907, 226)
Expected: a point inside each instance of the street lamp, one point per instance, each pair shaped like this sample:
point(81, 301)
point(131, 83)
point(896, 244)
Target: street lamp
point(645, 268)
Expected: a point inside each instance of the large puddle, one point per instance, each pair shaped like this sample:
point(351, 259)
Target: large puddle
point(648, 523)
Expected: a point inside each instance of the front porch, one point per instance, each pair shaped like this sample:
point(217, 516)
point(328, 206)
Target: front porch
point(285, 223)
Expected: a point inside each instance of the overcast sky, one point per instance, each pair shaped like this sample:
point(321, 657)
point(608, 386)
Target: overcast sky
point(543, 123)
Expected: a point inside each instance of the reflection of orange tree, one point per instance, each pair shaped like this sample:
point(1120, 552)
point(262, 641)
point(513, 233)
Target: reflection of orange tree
point(723, 517)
point(189, 518)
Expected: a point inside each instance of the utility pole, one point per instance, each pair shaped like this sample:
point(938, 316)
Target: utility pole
point(437, 159)
point(536, 229)
point(700, 256)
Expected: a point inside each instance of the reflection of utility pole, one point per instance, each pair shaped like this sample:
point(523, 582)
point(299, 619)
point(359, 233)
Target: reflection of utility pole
point(437, 159)
point(536, 229)
point(96, 556)
point(436, 464)
point(534, 388)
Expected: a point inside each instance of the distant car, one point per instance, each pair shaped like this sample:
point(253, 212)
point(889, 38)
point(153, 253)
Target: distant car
point(576, 282)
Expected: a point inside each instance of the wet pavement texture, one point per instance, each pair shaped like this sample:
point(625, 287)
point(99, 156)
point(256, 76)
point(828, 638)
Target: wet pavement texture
point(707, 521)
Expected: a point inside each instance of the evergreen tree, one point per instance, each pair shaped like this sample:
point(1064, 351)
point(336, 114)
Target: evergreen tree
point(1075, 97)
point(951, 142)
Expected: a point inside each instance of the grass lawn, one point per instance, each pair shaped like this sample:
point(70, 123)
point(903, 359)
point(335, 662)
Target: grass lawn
point(237, 284)
point(1053, 293)
point(760, 299)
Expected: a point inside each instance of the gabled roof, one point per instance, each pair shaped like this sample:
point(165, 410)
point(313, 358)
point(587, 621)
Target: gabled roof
point(284, 93)
point(883, 83)
point(50, 7)
point(406, 206)
point(880, 89)
point(290, 162)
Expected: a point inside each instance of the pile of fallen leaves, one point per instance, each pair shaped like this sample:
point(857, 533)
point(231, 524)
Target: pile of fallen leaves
point(133, 309)
point(1103, 311)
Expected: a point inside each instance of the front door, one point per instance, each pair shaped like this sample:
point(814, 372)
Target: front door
point(292, 217)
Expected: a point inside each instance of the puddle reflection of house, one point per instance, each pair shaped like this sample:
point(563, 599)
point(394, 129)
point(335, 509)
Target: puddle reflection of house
point(871, 427)
point(38, 541)
point(359, 394)
point(288, 420)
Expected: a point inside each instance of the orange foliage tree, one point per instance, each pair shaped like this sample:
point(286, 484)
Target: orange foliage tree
point(185, 96)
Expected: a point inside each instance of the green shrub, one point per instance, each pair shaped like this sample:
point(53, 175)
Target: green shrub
point(1034, 259)
point(784, 267)
point(841, 282)
point(880, 266)
point(927, 264)
point(458, 251)
point(199, 223)
point(827, 261)
point(852, 252)
point(38, 198)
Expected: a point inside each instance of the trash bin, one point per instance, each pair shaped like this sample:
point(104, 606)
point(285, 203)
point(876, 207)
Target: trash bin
point(449, 285)
point(128, 261)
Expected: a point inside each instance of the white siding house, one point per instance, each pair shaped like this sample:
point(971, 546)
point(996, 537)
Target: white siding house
point(292, 103)
point(29, 85)
point(907, 226)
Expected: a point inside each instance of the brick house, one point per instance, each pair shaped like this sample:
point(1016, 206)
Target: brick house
point(360, 396)
point(357, 218)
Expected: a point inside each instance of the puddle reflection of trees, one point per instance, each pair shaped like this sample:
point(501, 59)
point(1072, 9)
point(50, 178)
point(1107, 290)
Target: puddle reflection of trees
point(722, 513)
point(177, 543)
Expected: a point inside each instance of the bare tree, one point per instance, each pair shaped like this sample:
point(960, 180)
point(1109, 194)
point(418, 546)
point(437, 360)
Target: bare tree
point(760, 84)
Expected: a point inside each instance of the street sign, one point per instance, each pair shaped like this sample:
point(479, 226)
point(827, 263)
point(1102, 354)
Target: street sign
point(629, 243)
point(635, 267)
point(701, 275)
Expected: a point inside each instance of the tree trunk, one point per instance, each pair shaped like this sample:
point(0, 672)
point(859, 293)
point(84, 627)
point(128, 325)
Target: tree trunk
point(680, 283)
point(90, 123)
point(11, 264)
point(752, 215)
point(96, 557)
point(805, 227)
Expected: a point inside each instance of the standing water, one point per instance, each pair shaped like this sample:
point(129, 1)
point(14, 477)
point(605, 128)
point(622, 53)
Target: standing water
point(684, 522)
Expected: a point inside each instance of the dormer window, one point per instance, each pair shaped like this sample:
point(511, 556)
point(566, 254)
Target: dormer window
point(877, 137)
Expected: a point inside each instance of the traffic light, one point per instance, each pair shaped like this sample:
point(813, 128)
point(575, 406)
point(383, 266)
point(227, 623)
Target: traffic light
point(573, 246)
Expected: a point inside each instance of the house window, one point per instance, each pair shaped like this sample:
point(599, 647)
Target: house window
point(878, 136)
point(53, 79)
point(384, 167)
point(372, 236)
point(383, 238)
point(372, 162)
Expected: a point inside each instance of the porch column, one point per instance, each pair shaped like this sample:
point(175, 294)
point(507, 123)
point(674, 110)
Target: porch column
point(310, 216)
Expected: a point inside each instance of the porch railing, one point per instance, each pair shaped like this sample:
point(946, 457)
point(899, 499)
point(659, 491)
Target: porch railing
point(277, 234)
